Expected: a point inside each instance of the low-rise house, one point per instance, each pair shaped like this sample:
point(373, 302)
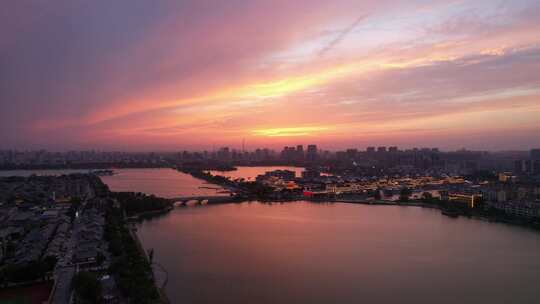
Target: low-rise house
point(50, 215)
point(519, 209)
point(109, 290)
point(468, 200)
point(21, 219)
point(86, 255)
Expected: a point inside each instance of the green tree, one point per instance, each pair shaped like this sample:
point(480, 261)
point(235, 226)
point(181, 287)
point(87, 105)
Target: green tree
point(377, 194)
point(151, 255)
point(405, 194)
point(87, 287)
point(427, 197)
point(100, 258)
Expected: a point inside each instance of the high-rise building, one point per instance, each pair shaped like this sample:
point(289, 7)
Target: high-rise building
point(352, 153)
point(311, 154)
point(535, 154)
point(381, 149)
point(300, 152)
point(288, 153)
point(535, 167)
point(224, 154)
point(523, 166)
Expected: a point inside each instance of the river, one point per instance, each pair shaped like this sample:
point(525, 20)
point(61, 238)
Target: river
point(305, 252)
point(250, 173)
point(162, 182)
point(340, 253)
point(50, 172)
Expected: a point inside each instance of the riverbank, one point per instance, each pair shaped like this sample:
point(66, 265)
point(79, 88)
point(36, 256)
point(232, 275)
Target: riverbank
point(163, 299)
point(84, 166)
point(135, 207)
point(131, 265)
point(254, 191)
point(472, 213)
point(161, 289)
point(477, 214)
point(141, 215)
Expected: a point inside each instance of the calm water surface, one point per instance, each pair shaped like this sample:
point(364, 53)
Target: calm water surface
point(54, 172)
point(341, 253)
point(162, 182)
point(250, 173)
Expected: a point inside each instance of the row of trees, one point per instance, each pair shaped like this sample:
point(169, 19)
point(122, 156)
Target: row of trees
point(405, 195)
point(87, 287)
point(131, 269)
point(250, 188)
point(133, 203)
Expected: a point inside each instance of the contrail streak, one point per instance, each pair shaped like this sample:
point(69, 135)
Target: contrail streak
point(342, 34)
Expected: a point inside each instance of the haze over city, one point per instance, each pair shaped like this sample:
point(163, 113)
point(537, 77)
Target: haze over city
point(148, 75)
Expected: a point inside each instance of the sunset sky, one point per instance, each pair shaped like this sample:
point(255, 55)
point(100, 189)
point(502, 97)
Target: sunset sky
point(194, 74)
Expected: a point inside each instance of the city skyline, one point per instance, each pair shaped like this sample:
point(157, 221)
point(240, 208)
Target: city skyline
point(192, 75)
point(277, 149)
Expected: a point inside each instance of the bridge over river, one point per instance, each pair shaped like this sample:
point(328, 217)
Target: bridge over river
point(216, 199)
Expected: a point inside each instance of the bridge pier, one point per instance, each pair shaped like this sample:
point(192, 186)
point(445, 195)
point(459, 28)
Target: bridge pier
point(202, 200)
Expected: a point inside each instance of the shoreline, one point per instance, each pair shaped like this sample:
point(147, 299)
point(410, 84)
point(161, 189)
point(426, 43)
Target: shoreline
point(485, 218)
point(139, 216)
point(130, 225)
point(133, 232)
point(522, 222)
point(89, 166)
